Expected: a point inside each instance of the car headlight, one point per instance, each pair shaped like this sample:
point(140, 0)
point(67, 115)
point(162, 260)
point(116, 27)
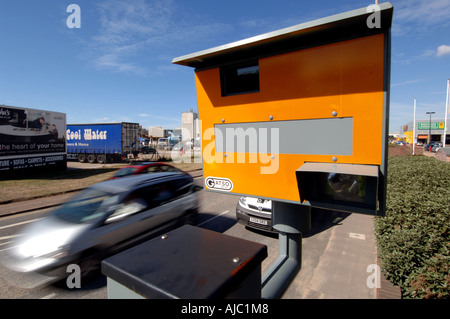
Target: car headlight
point(59, 253)
point(243, 201)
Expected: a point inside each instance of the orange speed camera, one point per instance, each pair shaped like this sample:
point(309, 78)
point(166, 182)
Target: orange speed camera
point(291, 114)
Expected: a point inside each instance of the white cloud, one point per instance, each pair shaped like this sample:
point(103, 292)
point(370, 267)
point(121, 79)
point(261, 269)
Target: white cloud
point(422, 12)
point(443, 50)
point(134, 34)
point(126, 23)
point(415, 16)
point(407, 82)
point(406, 59)
point(124, 29)
point(113, 119)
point(112, 61)
point(103, 120)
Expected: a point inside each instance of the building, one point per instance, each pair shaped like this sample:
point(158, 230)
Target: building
point(190, 125)
point(189, 131)
point(424, 133)
point(156, 132)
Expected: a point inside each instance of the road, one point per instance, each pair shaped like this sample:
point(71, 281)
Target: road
point(217, 213)
point(335, 254)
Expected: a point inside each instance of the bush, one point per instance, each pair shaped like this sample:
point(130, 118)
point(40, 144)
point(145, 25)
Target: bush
point(413, 237)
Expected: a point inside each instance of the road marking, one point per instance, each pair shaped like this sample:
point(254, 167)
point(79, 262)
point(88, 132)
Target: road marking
point(6, 243)
point(8, 248)
point(212, 218)
point(8, 237)
point(50, 296)
point(18, 224)
point(357, 236)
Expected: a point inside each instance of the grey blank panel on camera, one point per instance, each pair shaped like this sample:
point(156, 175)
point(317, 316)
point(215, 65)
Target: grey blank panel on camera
point(333, 136)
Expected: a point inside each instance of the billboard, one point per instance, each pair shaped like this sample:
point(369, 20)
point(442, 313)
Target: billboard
point(432, 125)
point(31, 137)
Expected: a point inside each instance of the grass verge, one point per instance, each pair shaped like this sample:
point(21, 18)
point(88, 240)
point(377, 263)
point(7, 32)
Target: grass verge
point(40, 184)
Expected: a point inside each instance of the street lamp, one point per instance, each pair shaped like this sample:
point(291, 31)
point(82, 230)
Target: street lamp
point(429, 127)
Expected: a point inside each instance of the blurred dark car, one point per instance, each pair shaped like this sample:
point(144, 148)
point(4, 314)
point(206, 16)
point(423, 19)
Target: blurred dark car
point(144, 168)
point(102, 220)
point(429, 146)
point(436, 146)
point(147, 150)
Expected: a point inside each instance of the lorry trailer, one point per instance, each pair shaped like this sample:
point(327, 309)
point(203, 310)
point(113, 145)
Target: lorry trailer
point(105, 142)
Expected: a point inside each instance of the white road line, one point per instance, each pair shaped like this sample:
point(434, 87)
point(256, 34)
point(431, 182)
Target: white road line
point(6, 243)
point(5, 249)
point(8, 237)
point(212, 218)
point(18, 224)
point(50, 296)
point(357, 236)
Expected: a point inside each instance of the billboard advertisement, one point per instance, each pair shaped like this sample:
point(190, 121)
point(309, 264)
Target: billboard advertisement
point(31, 137)
point(432, 125)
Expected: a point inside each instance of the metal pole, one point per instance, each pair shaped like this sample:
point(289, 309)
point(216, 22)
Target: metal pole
point(290, 220)
point(445, 114)
point(429, 131)
point(414, 127)
point(429, 128)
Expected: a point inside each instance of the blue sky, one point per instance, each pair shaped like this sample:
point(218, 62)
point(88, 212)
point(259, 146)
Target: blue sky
point(117, 65)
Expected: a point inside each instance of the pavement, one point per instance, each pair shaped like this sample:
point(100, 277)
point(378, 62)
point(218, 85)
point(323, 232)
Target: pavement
point(33, 204)
point(343, 271)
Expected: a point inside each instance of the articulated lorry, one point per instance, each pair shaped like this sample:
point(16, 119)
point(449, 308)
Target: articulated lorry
point(31, 139)
point(108, 142)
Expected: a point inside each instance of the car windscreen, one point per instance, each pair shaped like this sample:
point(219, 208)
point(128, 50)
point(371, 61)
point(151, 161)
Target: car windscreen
point(86, 207)
point(126, 171)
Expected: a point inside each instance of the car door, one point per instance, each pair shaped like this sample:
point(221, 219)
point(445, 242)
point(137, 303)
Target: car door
point(136, 214)
point(179, 201)
point(142, 211)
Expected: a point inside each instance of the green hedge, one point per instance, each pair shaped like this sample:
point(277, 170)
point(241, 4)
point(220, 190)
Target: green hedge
point(413, 238)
